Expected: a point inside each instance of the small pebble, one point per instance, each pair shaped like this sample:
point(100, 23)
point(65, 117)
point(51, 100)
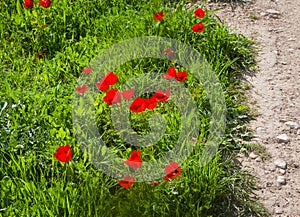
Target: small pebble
point(283, 138)
point(273, 12)
point(280, 163)
point(292, 124)
point(256, 139)
point(281, 180)
point(252, 155)
point(258, 159)
point(260, 129)
point(282, 171)
point(278, 210)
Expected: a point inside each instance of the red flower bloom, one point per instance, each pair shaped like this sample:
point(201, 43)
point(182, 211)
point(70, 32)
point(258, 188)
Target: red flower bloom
point(172, 170)
point(127, 94)
point(151, 103)
point(159, 16)
point(161, 96)
point(134, 161)
point(170, 53)
point(199, 27)
point(28, 4)
point(171, 73)
point(127, 182)
point(113, 96)
point(199, 12)
point(154, 183)
point(63, 153)
point(81, 89)
point(138, 105)
point(180, 76)
point(87, 70)
point(109, 79)
point(45, 3)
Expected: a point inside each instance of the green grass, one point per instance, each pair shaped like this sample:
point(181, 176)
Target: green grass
point(36, 113)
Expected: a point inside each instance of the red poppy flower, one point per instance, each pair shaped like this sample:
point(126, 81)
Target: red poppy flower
point(170, 53)
point(63, 153)
point(127, 182)
point(199, 12)
point(171, 73)
point(180, 76)
point(199, 27)
point(127, 94)
point(138, 105)
point(45, 3)
point(134, 161)
point(109, 79)
point(28, 4)
point(154, 183)
point(113, 96)
point(151, 103)
point(172, 170)
point(161, 96)
point(87, 70)
point(81, 89)
point(159, 16)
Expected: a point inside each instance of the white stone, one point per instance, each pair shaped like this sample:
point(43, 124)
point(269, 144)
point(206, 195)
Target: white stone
point(278, 210)
point(292, 124)
point(258, 159)
point(252, 155)
point(256, 139)
point(273, 12)
point(261, 129)
point(283, 138)
point(280, 163)
point(281, 180)
point(282, 171)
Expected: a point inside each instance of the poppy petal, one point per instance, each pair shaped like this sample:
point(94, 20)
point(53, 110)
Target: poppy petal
point(199, 27)
point(45, 3)
point(28, 4)
point(172, 170)
point(128, 94)
point(159, 16)
point(161, 96)
point(199, 13)
point(87, 70)
point(151, 103)
point(181, 76)
point(134, 161)
point(112, 97)
point(106, 81)
point(170, 53)
point(81, 89)
point(63, 153)
point(138, 105)
point(154, 183)
point(127, 182)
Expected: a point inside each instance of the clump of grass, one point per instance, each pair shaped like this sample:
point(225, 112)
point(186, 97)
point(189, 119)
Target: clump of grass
point(37, 92)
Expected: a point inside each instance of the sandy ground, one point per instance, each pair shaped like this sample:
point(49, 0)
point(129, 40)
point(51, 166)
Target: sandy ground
point(275, 25)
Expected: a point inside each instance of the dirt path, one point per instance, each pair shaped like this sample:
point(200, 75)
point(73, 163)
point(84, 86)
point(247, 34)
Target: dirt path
point(275, 94)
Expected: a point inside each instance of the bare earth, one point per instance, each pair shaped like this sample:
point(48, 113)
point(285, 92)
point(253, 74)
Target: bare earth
point(275, 25)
